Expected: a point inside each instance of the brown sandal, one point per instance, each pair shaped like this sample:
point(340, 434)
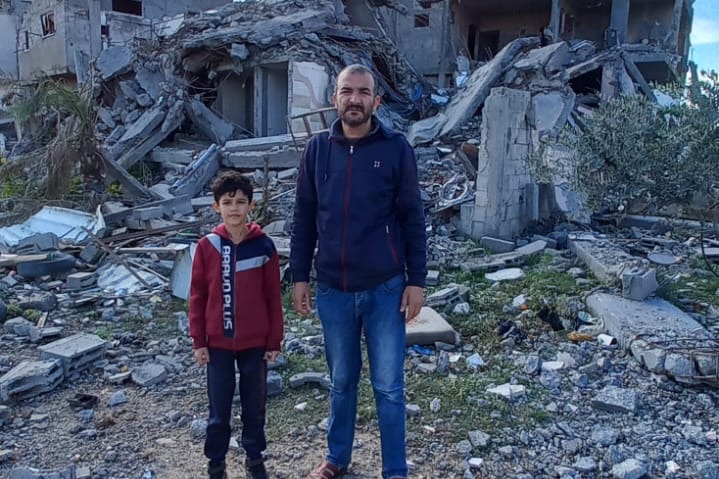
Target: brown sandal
point(326, 470)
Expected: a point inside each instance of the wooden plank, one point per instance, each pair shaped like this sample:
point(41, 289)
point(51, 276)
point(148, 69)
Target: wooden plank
point(14, 259)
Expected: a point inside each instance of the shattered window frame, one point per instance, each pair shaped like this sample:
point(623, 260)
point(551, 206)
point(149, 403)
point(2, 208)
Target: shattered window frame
point(47, 21)
point(128, 7)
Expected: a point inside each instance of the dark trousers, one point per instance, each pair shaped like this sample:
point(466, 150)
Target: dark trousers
point(253, 396)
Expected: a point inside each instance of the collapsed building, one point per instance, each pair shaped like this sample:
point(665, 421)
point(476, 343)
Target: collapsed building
point(477, 85)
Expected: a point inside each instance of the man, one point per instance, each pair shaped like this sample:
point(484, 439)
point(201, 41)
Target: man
point(358, 200)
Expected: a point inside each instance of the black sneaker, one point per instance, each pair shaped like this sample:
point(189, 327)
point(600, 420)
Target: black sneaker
point(255, 469)
point(216, 471)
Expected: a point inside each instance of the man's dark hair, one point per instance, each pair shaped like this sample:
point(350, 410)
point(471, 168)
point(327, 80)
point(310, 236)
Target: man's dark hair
point(230, 181)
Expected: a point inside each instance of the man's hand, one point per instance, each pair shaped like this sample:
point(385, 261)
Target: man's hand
point(412, 301)
point(302, 298)
point(271, 356)
point(202, 356)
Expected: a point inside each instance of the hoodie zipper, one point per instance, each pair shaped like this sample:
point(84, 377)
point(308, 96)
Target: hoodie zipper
point(348, 181)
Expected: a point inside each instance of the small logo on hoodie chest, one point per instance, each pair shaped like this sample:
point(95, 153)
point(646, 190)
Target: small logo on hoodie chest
point(377, 164)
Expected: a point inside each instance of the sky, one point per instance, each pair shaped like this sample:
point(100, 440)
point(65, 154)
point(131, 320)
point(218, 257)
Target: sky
point(705, 35)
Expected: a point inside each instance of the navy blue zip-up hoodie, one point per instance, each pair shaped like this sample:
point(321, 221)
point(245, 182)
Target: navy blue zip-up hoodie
point(359, 202)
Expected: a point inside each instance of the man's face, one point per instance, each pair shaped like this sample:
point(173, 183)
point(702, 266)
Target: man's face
point(355, 98)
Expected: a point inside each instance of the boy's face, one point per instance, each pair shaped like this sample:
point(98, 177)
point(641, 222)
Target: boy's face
point(233, 208)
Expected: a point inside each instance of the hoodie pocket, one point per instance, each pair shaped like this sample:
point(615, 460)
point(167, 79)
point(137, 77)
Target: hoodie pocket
point(391, 244)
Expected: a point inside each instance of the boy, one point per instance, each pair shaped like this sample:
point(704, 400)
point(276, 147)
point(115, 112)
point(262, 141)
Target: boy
point(235, 317)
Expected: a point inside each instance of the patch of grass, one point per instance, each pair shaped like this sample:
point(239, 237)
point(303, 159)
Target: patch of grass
point(104, 332)
point(466, 406)
point(692, 290)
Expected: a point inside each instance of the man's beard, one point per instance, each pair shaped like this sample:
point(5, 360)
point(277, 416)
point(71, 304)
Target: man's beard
point(355, 121)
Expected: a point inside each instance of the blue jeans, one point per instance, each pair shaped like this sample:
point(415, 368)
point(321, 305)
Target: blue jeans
point(344, 316)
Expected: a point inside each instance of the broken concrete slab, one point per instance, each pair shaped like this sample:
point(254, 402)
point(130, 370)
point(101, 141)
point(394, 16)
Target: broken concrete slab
point(138, 151)
point(504, 260)
point(75, 352)
point(177, 205)
point(115, 61)
point(496, 245)
point(615, 399)
point(550, 110)
point(149, 374)
point(508, 391)
point(208, 122)
point(275, 158)
point(465, 104)
point(428, 328)
point(151, 82)
point(660, 336)
point(322, 379)
point(199, 173)
point(144, 125)
point(261, 143)
point(239, 51)
point(508, 274)
point(549, 60)
point(605, 259)
point(30, 378)
point(167, 156)
point(130, 89)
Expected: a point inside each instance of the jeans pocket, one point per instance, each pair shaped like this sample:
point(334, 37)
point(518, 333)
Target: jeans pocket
point(392, 285)
point(324, 289)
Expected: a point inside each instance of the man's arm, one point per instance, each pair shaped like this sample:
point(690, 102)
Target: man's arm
point(304, 221)
point(411, 217)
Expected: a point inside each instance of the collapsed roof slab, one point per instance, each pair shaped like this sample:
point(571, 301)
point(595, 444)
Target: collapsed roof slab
point(465, 104)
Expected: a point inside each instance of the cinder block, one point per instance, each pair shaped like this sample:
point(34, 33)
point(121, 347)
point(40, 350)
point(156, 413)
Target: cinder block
point(81, 280)
point(30, 378)
point(75, 352)
point(496, 245)
point(639, 285)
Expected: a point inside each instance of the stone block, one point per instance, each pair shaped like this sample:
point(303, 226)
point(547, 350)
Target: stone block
point(75, 352)
point(496, 245)
point(429, 327)
point(321, 379)
point(29, 379)
point(638, 284)
point(614, 399)
point(149, 374)
point(81, 280)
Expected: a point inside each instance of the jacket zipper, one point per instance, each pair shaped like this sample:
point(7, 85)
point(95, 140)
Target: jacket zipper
point(348, 180)
point(391, 245)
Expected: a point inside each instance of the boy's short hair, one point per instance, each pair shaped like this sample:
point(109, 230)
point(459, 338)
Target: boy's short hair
point(230, 181)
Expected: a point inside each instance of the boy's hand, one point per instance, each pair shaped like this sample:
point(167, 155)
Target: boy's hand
point(302, 298)
point(271, 356)
point(202, 356)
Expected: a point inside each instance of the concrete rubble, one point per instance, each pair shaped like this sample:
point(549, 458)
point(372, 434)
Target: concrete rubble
point(174, 102)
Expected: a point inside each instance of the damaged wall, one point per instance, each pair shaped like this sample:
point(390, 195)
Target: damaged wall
point(486, 27)
point(8, 56)
point(42, 47)
point(157, 9)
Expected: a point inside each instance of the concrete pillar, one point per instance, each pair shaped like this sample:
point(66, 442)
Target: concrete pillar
point(555, 20)
point(500, 205)
point(673, 42)
point(618, 23)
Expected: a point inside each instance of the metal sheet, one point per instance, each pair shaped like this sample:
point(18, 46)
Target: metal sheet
point(67, 224)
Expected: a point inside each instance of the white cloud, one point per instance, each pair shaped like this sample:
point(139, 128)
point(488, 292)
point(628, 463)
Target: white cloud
point(705, 30)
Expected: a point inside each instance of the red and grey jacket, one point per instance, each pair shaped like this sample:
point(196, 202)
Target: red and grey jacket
point(235, 293)
point(360, 204)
